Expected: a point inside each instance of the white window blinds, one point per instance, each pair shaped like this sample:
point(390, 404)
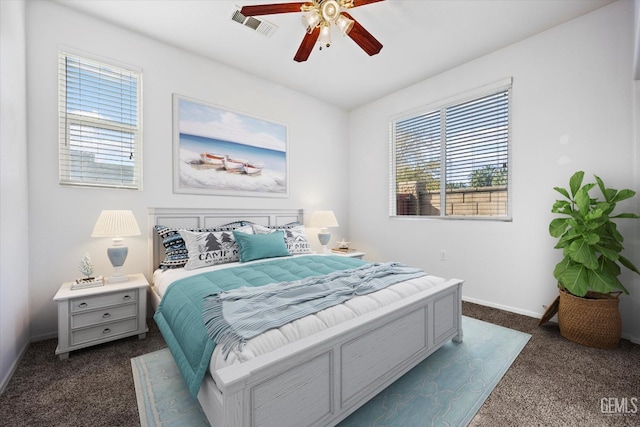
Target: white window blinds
point(477, 137)
point(100, 126)
point(453, 161)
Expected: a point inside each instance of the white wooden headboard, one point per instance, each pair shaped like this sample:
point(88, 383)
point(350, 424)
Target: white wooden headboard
point(209, 217)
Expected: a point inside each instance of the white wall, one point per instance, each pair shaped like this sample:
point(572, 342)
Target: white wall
point(14, 272)
point(61, 219)
point(572, 109)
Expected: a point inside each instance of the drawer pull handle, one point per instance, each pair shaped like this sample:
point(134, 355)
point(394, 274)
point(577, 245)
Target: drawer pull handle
point(106, 331)
point(126, 297)
point(83, 305)
point(106, 315)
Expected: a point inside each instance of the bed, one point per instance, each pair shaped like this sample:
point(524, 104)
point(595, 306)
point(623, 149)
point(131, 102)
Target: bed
point(320, 378)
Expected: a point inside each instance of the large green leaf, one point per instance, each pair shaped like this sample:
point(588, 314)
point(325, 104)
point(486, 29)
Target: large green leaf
point(583, 201)
point(562, 206)
point(624, 261)
point(594, 215)
point(608, 253)
point(575, 280)
point(581, 252)
point(591, 238)
point(623, 195)
point(608, 265)
point(561, 267)
point(613, 231)
point(575, 182)
point(603, 281)
point(603, 190)
point(566, 240)
point(562, 191)
point(558, 226)
point(626, 215)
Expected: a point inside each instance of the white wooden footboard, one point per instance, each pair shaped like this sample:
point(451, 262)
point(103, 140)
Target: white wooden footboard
point(320, 380)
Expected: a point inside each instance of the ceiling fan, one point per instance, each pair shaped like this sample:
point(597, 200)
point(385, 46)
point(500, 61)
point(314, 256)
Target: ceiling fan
point(318, 17)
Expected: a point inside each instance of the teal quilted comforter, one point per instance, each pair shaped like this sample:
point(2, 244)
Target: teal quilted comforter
point(179, 315)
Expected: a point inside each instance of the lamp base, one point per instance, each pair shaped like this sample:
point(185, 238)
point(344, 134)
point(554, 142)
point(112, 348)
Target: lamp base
point(118, 276)
point(118, 279)
point(117, 256)
point(324, 236)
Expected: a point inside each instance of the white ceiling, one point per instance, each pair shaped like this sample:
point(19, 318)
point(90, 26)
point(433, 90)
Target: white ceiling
point(421, 38)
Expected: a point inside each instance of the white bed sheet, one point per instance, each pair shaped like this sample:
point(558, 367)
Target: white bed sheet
point(305, 326)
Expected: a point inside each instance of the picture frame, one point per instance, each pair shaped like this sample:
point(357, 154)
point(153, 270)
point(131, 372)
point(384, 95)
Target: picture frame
point(219, 151)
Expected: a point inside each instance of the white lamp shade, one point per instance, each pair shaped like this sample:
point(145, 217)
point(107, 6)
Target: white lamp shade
point(323, 219)
point(325, 36)
point(344, 24)
point(311, 20)
point(116, 223)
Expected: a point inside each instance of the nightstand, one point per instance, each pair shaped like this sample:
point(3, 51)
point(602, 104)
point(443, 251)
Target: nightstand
point(100, 314)
point(350, 254)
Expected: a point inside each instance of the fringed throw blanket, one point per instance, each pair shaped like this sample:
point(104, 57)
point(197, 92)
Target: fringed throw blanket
point(233, 317)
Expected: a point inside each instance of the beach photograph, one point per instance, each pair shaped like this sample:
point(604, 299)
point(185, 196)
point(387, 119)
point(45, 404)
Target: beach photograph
point(218, 151)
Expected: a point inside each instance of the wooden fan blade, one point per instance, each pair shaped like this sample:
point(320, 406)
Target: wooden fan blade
point(357, 3)
point(306, 46)
point(363, 38)
point(269, 9)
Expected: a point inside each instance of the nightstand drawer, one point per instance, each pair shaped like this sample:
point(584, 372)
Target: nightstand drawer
point(97, 301)
point(109, 314)
point(103, 331)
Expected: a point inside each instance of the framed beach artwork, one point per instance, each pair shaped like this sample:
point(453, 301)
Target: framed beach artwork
point(224, 152)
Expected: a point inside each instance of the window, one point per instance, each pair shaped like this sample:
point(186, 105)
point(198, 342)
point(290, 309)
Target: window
point(453, 161)
point(100, 126)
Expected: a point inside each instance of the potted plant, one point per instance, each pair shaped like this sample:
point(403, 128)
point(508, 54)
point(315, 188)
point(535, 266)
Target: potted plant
point(588, 272)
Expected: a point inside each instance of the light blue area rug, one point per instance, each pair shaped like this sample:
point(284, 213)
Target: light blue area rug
point(446, 389)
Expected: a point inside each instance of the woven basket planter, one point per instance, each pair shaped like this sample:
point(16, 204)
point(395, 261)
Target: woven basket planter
point(593, 320)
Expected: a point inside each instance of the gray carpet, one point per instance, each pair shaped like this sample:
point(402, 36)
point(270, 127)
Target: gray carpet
point(553, 382)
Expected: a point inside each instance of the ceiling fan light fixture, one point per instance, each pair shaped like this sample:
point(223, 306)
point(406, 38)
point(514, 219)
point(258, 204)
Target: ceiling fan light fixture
point(330, 10)
point(344, 24)
point(325, 36)
point(318, 18)
point(311, 19)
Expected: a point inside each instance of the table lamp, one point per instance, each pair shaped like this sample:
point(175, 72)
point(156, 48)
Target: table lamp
point(116, 224)
point(323, 220)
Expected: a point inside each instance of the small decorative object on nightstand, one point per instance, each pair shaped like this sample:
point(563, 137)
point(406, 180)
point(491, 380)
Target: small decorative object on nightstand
point(352, 253)
point(89, 280)
point(343, 244)
point(97, 315)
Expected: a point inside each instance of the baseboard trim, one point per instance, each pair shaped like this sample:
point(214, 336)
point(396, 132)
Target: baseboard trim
point(503, 307)
point(633, 339)
point(14, 367)
point(42, 337)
